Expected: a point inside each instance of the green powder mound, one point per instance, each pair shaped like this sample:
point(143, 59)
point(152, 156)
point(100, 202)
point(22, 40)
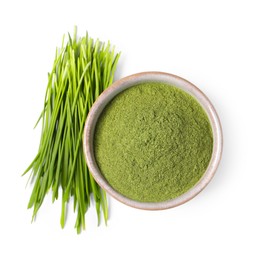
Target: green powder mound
point(153, 142)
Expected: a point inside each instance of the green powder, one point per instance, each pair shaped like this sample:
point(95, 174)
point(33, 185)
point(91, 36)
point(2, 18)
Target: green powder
point(153, 142)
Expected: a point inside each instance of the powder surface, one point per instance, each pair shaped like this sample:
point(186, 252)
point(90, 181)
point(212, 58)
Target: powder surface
point(153, 142)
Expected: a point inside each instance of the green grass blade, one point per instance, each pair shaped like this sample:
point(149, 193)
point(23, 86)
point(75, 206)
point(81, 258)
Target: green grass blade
point(81, 70)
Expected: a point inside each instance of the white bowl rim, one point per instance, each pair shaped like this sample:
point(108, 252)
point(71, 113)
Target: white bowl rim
point(132, 80)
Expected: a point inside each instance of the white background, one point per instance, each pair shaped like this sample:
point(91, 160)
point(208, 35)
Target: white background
point(215, 45)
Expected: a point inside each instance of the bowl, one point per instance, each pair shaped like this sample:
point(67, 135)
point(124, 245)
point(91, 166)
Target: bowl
point(130, 81)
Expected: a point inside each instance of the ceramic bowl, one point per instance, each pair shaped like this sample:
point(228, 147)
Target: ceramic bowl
point(130, 81)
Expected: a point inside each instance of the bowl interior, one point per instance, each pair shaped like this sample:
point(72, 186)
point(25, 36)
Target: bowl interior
point(130, 81)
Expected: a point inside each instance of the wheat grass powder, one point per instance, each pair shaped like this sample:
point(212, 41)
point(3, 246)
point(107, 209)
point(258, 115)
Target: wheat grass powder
point(153, 142)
